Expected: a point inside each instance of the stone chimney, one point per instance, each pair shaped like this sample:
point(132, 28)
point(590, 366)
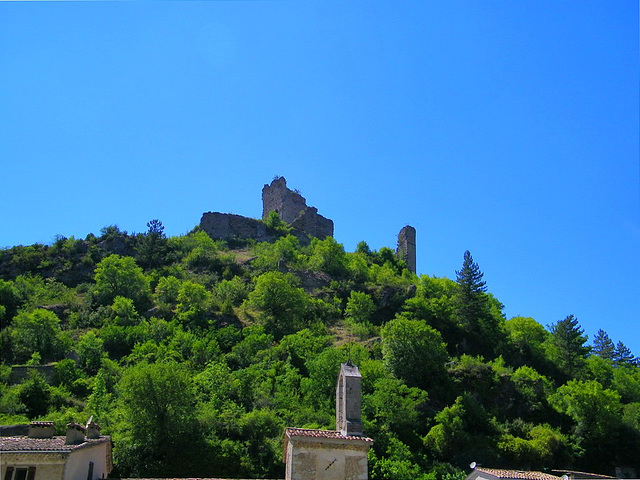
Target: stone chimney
point(40, 430)
point(75, 434)
point(348, 399)
point(93, 429)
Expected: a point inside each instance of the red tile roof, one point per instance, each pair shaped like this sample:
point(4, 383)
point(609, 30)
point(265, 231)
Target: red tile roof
point(307, 432)
point(517, 474)
point(54, 444)
point(581, 475)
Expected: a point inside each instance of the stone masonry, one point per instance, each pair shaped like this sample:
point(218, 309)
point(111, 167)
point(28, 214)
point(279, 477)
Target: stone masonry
point(290, 206)
point(339, 454)
point(407, 247)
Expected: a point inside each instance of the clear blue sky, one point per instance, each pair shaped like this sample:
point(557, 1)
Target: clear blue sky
point(506, 128)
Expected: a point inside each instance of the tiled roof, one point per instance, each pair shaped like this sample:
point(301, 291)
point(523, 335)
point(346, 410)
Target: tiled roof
point(307, 432)
point(517, 474)
point(581, 475)
point(54, 444)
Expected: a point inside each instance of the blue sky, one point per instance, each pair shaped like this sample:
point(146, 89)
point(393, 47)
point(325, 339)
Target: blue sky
point(506, 128)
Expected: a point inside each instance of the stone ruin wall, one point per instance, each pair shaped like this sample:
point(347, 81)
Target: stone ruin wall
point(407, 247)
point(285, 202)
point(292, 208)
point(225, 226)
point(290, 205)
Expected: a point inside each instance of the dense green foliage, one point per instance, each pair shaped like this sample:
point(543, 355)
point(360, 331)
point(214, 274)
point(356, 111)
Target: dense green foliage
point(195, 355)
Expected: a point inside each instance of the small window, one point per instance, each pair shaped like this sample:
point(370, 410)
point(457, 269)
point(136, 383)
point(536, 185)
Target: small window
point(90, 474)
point(20, 473)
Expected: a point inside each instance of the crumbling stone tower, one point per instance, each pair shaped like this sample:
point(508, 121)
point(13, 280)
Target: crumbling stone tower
point(407, 247)
point(292, 208)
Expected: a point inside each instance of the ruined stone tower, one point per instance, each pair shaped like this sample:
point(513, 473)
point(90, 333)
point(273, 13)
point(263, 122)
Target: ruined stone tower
point(288, 204)
point(407, 247)
point(292, 208)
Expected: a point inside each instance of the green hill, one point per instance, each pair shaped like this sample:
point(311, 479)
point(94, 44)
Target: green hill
point(195, 354)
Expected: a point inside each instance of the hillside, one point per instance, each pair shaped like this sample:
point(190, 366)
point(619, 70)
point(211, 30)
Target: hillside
point(195, 354)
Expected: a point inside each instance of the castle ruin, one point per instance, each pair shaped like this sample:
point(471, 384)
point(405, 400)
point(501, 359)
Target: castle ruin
point(292, 208)
point(288, 204)
point(305, 222)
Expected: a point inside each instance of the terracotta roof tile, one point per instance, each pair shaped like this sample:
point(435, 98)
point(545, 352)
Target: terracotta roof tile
point(307, 432)
point(581, 475)
point(54, 444)
point(517, 474)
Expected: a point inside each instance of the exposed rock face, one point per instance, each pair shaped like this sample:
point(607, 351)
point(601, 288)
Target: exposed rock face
point(407, 247)
point(292, 208)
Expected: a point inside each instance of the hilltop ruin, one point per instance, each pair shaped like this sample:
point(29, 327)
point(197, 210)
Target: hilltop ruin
point(305, 222)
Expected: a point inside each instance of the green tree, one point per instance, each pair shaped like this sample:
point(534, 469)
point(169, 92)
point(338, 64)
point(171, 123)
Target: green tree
point(120, 276)
point(596, 413)
point(568, 345)
point(35, 394)
point(360, 307)
point(328, 256)
point(622, 356)
point(10, 301)
point(471, 301)
point(281, 306)
point(153, 247)
point(36, 331)
point(413, 352)
point(483, 335)
point(527, 338)
point(194, 305)
point(156, 405)
point(90, 349)
point(603, 346)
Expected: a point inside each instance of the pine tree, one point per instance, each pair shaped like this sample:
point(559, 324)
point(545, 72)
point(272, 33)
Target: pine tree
point(622, 356)
point(603, 346)
point(471, 301)
point(569, 339)
point(482, 333)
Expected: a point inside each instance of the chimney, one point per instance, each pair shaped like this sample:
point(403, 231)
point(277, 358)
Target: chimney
point(40, 430)
point(93, 429)
point(75, 434)
point(348, 393)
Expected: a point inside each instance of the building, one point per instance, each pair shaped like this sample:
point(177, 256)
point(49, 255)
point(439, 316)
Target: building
point(82, 454)
point(332, 455)
point(482, 473)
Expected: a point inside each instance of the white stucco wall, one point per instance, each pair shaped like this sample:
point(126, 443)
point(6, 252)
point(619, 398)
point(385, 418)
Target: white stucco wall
point(77, 466)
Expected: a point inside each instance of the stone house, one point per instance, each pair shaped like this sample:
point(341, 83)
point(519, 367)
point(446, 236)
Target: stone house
point(36, 454)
